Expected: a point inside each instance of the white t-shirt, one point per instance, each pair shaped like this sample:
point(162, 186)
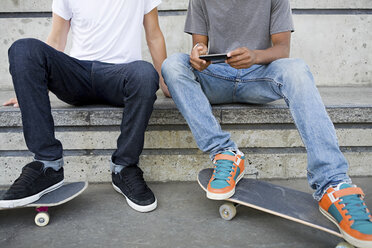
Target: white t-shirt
point(105, 30)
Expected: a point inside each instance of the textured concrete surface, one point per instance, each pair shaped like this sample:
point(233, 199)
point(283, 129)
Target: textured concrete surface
point(337, 56)
point(177, 165)
point(265, 133)
point(100, 217)
point(183, 139)
point(344, 105)
point(45, 5)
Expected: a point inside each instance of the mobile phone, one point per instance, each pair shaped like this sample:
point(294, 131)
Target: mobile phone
point(215, 58)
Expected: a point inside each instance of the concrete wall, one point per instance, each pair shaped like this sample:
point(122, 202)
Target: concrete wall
point(332, 36)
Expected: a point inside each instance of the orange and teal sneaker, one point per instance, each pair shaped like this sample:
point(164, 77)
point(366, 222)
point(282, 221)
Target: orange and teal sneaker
point(228, 170)
point(345, 207)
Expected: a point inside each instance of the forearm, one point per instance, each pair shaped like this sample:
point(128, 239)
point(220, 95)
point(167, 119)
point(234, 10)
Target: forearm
point(56, 44)
point(58, 35)
point(159, 54)
point(280, 49)
point(157, 50)
point(271, 54)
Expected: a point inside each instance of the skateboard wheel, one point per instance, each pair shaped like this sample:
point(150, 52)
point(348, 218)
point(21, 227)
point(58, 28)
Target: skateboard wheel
point(344, 245)
point(42, 219)
point(227, 211)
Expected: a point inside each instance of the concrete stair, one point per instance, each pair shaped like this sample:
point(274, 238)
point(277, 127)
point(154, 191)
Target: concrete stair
point(333, 37)
point(266, 134)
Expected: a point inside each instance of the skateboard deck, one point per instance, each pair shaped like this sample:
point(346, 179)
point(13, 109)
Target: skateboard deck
point(63, 194)
point(273, 199)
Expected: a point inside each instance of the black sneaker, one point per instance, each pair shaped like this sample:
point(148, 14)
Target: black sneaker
point(33, 182)
point(131, 184)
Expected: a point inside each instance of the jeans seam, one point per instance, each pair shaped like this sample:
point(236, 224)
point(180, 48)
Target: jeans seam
point(91, 79)
point(271, 81)
point(234, 91)
point(217, 76)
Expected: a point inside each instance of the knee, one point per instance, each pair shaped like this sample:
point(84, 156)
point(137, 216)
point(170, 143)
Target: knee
point(294, 72)
point(25, 49)
point(174, 66)
point(291, 66)
point(144, 79)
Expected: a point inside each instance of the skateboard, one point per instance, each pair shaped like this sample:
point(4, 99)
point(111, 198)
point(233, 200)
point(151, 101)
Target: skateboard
point(273, 199)
point(63, 194)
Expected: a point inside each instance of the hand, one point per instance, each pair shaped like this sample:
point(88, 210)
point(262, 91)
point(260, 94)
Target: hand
point(195, 61)
point(241, 58)
point(12, 102)
point(164, 88)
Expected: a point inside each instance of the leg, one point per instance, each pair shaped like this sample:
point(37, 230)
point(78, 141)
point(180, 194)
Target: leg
point(326, 164)
point(291, 79)
point(191, 91)
point(134, 87)
point(339, 201)
point(35, 68)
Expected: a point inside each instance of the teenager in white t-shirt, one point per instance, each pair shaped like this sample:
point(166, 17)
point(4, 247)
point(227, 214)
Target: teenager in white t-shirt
point(104, 66)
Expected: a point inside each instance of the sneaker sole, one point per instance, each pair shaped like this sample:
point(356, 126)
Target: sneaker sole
point(346, 236)
point(30, 199)
point(139, 208)
point(214, 196)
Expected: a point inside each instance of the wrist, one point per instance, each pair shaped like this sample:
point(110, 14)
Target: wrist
point(256, 59)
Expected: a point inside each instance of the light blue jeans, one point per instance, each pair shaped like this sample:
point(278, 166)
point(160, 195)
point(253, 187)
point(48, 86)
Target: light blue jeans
point(290, 79)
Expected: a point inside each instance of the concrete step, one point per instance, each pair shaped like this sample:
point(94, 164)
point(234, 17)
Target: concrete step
point(266, 133)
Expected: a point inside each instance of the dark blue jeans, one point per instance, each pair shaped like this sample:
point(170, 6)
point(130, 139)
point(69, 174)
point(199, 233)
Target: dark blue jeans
point(36, 68)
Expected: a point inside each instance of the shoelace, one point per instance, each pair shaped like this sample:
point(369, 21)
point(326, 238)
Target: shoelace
point(135, 181)
point(223, 169)
point(355, 207)
point(25, 180)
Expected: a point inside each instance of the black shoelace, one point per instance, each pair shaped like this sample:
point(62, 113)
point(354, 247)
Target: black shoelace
point(24, 181)
point(135, 182)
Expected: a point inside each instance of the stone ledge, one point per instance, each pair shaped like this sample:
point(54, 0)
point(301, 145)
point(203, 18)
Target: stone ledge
point(45, 5)
point(95, 168)
point(344, 105)
point(268, 136)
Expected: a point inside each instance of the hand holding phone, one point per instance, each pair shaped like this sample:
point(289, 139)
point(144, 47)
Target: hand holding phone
point(195, 61)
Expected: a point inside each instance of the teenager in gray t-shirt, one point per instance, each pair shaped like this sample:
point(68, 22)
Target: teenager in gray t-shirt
point(238, 23)
point(256, 36)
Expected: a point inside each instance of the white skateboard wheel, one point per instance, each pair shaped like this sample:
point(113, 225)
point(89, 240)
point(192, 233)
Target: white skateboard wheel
point(227, 211)
point(42, 219)
point(344, 245)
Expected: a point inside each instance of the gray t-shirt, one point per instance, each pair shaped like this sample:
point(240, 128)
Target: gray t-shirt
point(230, 24)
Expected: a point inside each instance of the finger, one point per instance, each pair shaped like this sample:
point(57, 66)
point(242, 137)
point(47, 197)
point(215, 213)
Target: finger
point(198, 61)
point(11, 101)
point(205, 65)
point(195, 65)
point(235, 59)
point(239, 63)
point(202, 50)
point(235, 52)
point(201, 67)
